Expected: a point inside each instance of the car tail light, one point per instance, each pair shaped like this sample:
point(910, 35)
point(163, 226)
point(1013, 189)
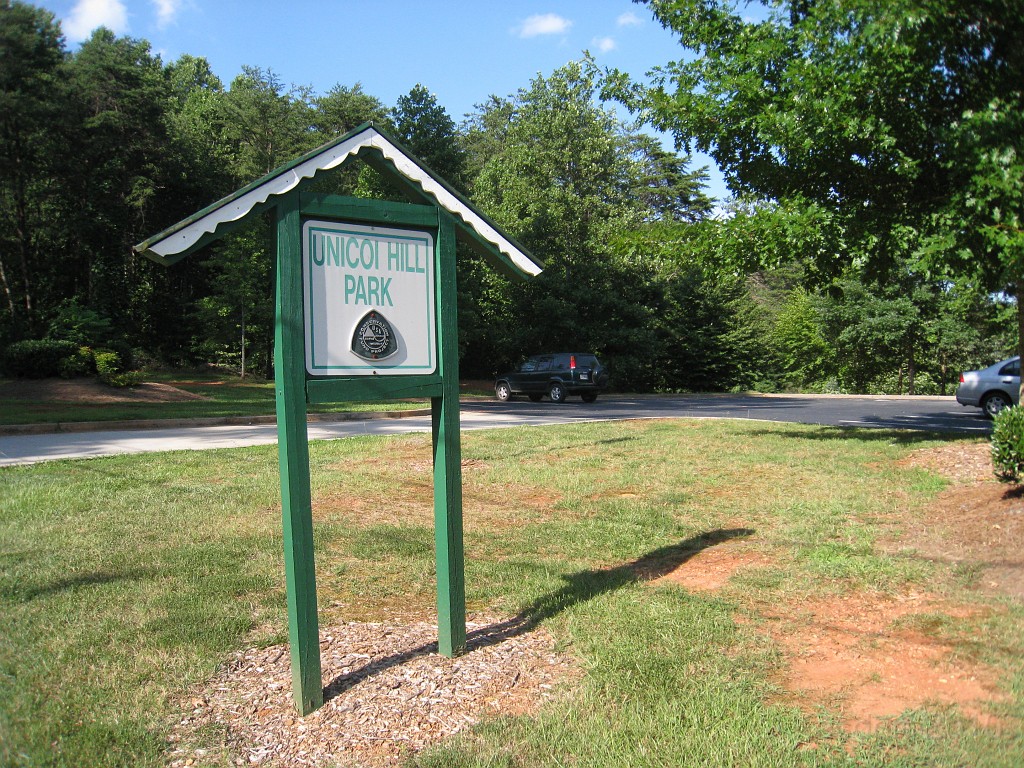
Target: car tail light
point(572, 362)
point(961, 378)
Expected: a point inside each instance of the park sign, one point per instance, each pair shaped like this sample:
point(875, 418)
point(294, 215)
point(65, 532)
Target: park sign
point(365, 309)
point(369, 305)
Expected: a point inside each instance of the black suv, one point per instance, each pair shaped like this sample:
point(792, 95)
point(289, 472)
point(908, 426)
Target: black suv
point(557, 375)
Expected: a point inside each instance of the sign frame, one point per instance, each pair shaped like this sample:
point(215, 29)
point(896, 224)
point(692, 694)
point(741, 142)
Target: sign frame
point(295, 388)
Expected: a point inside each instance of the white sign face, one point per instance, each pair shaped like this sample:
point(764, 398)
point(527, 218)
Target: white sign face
point(369, 300)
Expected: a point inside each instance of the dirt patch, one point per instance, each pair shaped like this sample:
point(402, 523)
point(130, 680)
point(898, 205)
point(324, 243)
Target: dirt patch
point(389, 693)
point(712, 568)
point(868, 657)
point(92, 391)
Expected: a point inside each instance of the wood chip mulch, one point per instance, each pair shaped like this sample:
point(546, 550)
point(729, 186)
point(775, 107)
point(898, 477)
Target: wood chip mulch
point(388, 694)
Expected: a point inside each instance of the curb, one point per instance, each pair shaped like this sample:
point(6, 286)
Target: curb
point(215, 421)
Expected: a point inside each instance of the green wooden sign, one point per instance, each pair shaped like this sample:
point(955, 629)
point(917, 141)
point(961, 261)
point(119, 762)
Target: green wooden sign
point(365, 310)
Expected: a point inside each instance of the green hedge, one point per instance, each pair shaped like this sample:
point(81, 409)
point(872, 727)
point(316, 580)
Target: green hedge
point(37, 358)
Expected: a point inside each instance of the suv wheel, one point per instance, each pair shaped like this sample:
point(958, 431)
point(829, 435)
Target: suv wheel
point(994, 402)
point(502, 391)
point(557, 393)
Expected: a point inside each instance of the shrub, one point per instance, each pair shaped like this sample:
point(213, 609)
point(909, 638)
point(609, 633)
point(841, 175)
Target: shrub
point(110, 367)
point(1008, 445)
point(37, 358)
point(80, 363)
point(83, 326)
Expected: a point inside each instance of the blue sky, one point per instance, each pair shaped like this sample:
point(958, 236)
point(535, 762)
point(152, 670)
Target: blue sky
point(461, 50)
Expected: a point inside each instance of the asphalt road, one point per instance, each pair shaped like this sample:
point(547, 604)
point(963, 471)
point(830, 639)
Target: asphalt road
point(924, 413)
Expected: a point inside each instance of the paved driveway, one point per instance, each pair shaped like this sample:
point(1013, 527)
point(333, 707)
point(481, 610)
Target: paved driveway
point(931, 414)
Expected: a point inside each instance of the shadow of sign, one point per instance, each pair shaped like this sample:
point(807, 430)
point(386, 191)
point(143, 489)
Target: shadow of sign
point(579, 588)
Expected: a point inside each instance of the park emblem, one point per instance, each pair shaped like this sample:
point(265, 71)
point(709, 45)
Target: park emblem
point(374, 339)
point(365, 310)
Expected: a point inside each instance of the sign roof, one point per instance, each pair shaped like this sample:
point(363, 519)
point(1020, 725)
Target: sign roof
point(385, 154)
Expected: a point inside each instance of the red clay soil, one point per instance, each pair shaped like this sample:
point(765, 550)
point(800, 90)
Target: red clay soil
point(868, 656)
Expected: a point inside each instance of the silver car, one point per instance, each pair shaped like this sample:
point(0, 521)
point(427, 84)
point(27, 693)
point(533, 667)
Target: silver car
point(992, 388)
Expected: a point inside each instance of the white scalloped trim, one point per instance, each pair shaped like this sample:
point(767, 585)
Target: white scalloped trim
point(188, 236)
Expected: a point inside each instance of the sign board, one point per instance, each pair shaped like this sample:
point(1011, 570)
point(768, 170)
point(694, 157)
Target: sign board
point(369, 300)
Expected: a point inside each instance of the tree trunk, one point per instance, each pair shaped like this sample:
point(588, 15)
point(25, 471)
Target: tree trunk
point(243, 341)
point(7, 289)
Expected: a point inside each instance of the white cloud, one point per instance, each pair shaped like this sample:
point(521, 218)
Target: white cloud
point(87, 15)
point(628, 19)
point(166, 11)
point(603, 44)
point(544, 24)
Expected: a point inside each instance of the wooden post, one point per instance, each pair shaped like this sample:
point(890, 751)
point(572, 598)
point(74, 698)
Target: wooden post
point(451, 586)
point(293, 455)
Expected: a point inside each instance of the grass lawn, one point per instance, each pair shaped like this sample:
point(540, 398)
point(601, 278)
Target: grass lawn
point(126, 582)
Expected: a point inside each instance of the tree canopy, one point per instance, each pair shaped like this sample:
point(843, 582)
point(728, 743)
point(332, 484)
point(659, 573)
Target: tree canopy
point(898, 122)
point(860, 139)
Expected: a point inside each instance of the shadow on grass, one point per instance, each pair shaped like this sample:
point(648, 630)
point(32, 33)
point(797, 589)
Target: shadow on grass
point(25, 593)
point(579, 588)
point(869, 434)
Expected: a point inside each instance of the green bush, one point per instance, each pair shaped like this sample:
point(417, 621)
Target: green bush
point(37, 358)
point(1008, 445)
point(81, 325)
point(79, 364)
point(110, 367)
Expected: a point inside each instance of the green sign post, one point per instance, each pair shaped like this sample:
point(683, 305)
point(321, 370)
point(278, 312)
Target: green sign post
point(365, 310)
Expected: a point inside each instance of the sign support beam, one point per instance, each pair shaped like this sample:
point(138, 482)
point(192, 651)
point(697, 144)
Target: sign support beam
point(293, 455)
point(451, 584)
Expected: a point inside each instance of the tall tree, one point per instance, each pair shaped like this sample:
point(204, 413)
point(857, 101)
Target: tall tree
point(33, 105)
point(896, 125)
point(563, 174)
point(426, 129)
point(120, 166)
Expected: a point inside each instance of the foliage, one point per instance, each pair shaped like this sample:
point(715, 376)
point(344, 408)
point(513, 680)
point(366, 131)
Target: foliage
point(32, 147)
point(81, 325)
point(110, 367)
point(80, 363)
point(564, 176)
point(891, 131)
point(37, 358)
point(805, 357)
point(104, 146)
point(1008, 445)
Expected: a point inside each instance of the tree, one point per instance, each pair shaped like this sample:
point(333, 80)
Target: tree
point(895, 125)
point(116, 177)
point(32, 110)
point(559, 182)
point(567, 178)
point(668, 189)
point(265, 124)
point(425, 129)
point(343, 109)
